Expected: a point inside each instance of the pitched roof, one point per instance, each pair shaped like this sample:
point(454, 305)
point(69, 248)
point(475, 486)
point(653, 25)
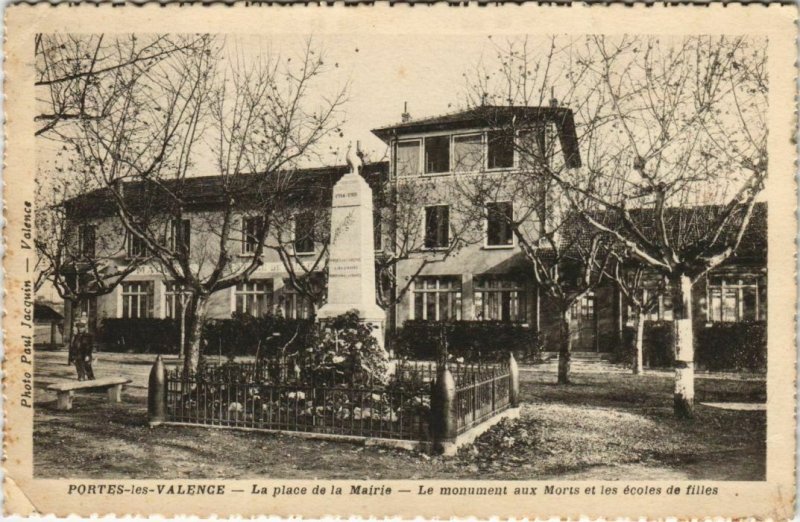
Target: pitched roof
point(43, 312)
point(495, 116)
point(207, 191)
point(684, 227)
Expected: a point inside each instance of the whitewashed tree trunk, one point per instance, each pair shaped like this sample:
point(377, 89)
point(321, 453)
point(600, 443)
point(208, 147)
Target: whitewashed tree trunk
point(638, 352)
point(183, 326)
point(197, 319)
point(684, 348)
point(565, 348)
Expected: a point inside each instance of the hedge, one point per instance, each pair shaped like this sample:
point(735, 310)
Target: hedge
point(472, 340)
point(139, 335)
point(719, 346)
point(240, 335)
point(246, 335)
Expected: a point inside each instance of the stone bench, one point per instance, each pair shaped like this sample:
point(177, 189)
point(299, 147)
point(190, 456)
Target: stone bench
point(65, 389)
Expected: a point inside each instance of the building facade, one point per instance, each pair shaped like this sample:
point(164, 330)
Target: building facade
point(449, 265)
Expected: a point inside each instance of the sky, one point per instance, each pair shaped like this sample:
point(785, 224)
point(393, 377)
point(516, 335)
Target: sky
point(384, 72)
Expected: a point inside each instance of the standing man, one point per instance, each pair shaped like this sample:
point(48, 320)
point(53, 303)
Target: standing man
point(80, 350)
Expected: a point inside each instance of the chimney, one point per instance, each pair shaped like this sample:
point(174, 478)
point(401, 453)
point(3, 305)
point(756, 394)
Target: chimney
point(553, 100)
point(406, 117)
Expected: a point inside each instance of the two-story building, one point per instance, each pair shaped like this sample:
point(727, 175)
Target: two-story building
point(456, 266)
point(149, 292)
point(469, 266)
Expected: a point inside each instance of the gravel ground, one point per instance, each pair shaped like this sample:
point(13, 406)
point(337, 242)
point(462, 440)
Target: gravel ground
point(605, 426)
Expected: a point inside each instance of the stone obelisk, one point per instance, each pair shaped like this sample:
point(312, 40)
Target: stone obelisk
point(351, 266)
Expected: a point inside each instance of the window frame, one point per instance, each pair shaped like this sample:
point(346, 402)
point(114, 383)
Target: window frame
point(487, 145)
point(425, 228)
point(543, 127)
point(246, 236)
point(127, 296)
point(453, 137)
point(172, 292)
point(723, 283)
point(82, 240)
point(508, 285)
point(269, 292)
point(178, 232)
point(130, 240)
point(291, 297)
point(313, 250)
point(420, 157)
point(458, 297)
point(449, 169)
point(486, 243)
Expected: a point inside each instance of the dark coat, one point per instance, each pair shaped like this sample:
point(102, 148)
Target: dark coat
point(81, 347)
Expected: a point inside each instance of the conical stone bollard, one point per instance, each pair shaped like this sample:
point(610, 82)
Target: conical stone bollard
point(443, 418)
point(157, 394)
point(513, 370)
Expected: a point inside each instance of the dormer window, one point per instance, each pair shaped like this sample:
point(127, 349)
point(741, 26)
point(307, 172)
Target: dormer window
point(437, 154)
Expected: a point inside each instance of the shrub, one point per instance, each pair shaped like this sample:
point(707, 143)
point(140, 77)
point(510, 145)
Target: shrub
point(731, 346)
point(343, 349)
point(265, 336)
point(139, 335)
point(471, 340)
point(718, 346)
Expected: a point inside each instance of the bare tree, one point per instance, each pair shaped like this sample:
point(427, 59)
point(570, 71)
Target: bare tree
point(260, 118)
point(77, 76)
point(403, 240)
point(80, 259)
point(301, 237)
point(673, 134)
point(565, 262)
point(642, 294)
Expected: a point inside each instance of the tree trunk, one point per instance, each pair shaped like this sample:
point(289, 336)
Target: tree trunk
point(184, 302)
point(638, 346)
point(565, 348)
point(198, 306)
point(683, 400)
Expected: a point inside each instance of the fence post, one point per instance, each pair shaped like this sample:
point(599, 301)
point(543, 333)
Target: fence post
point(157, 394)
point(443, 415)
point(474, 398)
point(513, 372)
point(493, 390)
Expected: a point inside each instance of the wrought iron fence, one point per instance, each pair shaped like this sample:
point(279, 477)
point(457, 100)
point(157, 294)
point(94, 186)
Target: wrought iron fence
point(481, 395)
point(249, 397)
point(411, 405)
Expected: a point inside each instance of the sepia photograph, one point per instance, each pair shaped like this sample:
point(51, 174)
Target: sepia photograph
point(447, 257)
point(393, 261)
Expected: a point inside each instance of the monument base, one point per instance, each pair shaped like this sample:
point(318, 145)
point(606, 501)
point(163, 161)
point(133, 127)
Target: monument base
point(374, 316)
